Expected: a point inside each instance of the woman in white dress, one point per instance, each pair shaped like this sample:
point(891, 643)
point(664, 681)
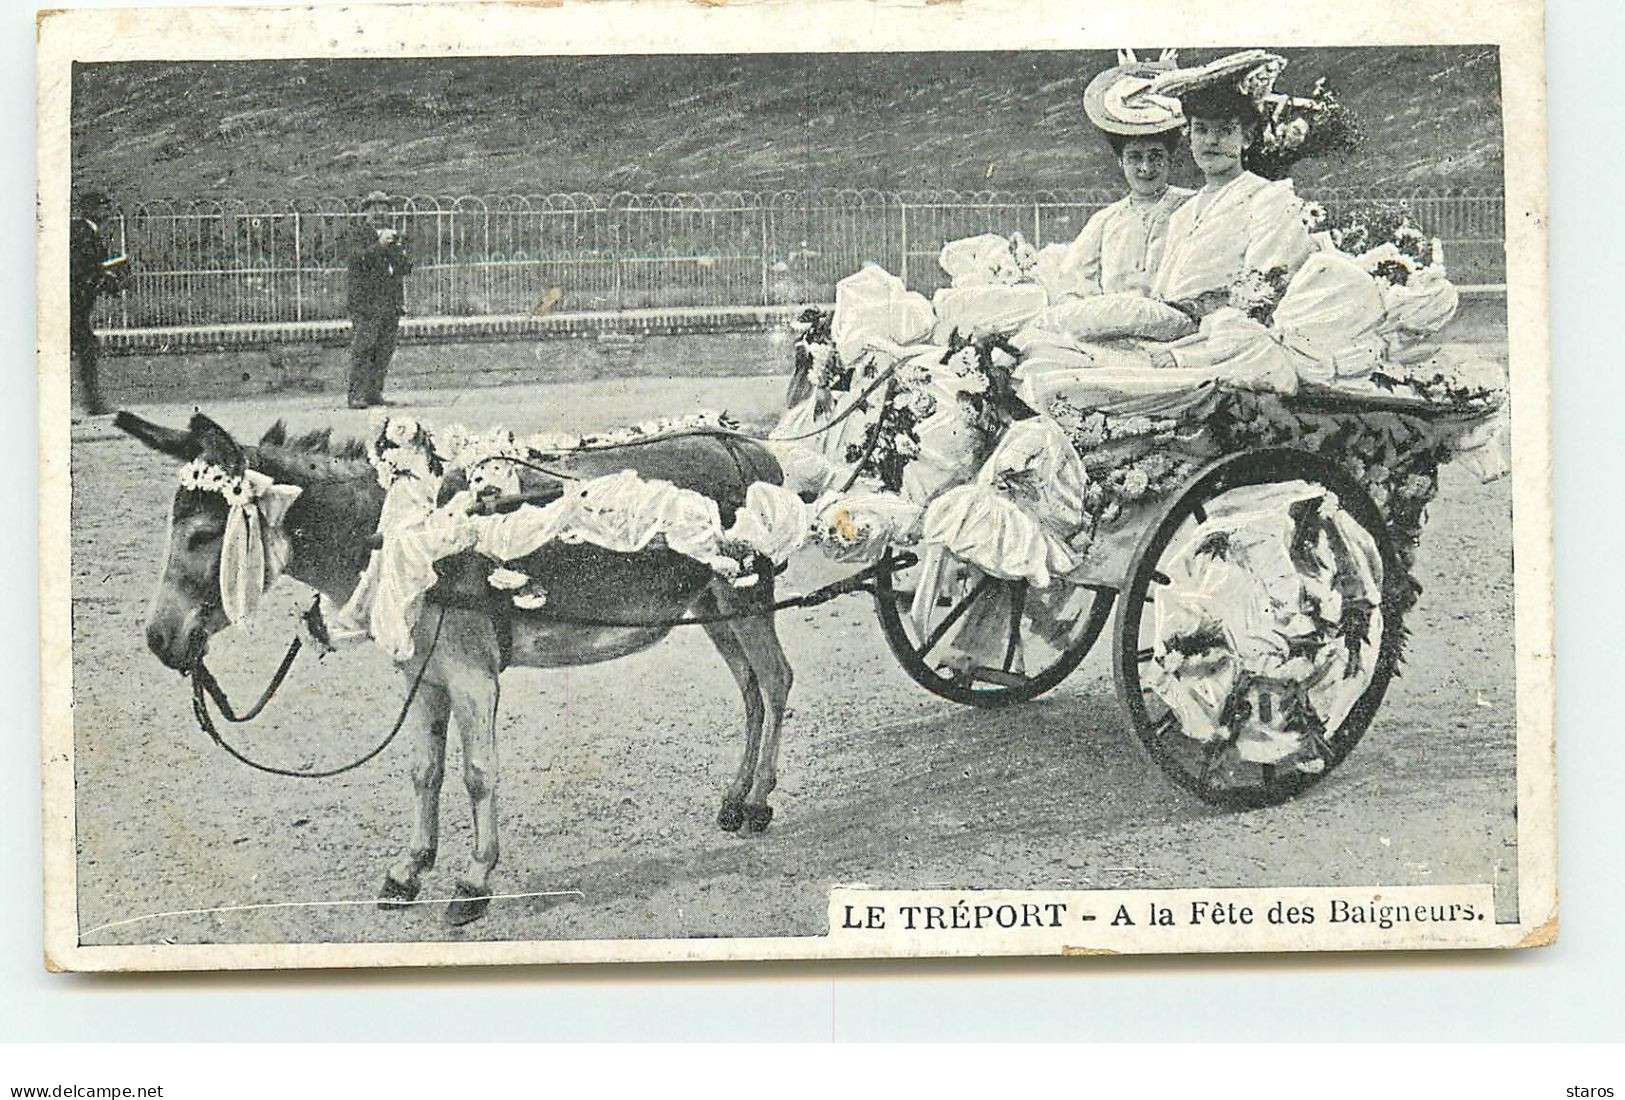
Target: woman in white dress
point(1238, 223)
point(1121, 246)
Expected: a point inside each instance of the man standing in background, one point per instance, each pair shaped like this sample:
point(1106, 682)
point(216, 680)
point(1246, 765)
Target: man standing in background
point(89, 277)
point(378, 265)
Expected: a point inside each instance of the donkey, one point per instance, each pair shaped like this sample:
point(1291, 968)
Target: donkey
point(330, 528)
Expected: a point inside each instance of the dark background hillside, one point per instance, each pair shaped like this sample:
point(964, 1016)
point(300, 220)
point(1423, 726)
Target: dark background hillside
point(671, 123)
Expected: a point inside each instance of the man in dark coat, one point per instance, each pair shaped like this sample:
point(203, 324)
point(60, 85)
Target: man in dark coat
point(378, 265)
point(88, 279)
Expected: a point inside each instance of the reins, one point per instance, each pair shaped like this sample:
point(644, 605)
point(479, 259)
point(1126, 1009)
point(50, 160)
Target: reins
point(861, 581)
point(203, 678)
point(720, 433)
point(205, 687)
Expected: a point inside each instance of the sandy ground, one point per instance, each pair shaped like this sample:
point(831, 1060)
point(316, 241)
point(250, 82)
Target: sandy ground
point(612, 773)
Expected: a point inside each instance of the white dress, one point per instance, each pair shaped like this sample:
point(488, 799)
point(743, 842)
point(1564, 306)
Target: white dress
point(1121, 246)
point(1249, 224)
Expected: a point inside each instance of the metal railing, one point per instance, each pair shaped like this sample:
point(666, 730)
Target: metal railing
point(223, 262)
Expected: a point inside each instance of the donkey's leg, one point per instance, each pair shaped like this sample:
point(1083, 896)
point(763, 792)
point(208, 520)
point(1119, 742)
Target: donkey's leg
point(759, 639)
point(732, 814)
point(431, 712)
point(472, 668)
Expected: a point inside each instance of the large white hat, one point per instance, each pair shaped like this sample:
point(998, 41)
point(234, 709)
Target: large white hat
point(1120, 100)
point(1248, 73)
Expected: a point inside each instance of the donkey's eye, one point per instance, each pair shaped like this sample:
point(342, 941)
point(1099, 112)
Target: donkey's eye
point(199, 539)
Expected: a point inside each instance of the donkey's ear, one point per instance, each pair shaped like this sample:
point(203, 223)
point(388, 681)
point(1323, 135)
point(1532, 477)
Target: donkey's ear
point(170, 441)
point(218, 448)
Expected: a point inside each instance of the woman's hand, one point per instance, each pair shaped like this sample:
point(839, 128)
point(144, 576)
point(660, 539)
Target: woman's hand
point(1163, 359)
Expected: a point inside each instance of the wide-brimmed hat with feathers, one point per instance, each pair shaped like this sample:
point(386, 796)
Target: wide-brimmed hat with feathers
point(1233, 86)
point(1120, 100)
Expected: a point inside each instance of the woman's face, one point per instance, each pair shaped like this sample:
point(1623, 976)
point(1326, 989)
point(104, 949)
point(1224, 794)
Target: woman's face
point(1145, 164)
point(1217, 144)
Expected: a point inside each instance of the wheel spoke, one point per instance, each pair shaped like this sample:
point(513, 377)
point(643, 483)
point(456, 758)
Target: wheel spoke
point(1210, 762)
point(1018, 601)
point(1162, 726)
point(1145, 655)
point(1321, 746)
point(1001, 677)
point(954, 616)
point(1199, 514)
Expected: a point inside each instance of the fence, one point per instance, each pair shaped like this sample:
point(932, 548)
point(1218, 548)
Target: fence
point(210, 263)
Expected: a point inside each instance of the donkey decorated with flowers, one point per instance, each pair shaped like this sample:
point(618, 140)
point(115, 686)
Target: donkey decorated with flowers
point(311, 511)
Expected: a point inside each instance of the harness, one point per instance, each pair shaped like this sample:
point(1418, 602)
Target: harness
point(491, 604)
point(448, 595)
point(205, 687)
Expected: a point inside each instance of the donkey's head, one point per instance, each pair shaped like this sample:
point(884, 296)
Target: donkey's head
point(188, 607)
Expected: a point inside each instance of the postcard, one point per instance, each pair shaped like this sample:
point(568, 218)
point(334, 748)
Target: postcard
point(668, 481)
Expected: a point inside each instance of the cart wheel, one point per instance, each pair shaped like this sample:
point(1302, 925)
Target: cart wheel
point(1044, 633)
point(1197, 767)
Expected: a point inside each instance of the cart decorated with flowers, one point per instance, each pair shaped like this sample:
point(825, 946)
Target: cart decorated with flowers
point(1011, 466)
point(1251, 517)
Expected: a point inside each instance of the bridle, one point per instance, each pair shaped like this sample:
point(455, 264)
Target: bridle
point(205, 687)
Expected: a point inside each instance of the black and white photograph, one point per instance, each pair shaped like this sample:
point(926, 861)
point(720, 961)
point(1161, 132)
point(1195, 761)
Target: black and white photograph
point(727, 496)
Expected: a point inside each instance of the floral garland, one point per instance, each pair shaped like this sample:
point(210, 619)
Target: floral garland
point(1134, 460)
point(1129, 460)
point(199, 476)
point(704, 420)
point(401, 447)
point(1385, 237)
point(1257, 293)
point(816, 360)
point(1437, 388)
point(1150, 477)
point(984, 368)
point(892, 440)
point(823, 366)
point(1394, 456)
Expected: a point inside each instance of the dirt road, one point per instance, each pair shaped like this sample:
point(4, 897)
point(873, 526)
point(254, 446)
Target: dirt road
point(611, 774)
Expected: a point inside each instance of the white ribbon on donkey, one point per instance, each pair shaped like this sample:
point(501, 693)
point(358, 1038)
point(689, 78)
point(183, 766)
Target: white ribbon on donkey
point(254, 548)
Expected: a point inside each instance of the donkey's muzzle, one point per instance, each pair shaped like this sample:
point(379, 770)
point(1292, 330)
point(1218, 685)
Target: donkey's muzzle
point(179, 648)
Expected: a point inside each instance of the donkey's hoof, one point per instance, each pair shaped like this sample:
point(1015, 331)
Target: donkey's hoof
point(731, 816)
point(467, 905)
point(392, 895)
point(758, 817)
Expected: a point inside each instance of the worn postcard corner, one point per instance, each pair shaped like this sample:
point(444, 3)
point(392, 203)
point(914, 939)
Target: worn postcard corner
point(517, 486)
